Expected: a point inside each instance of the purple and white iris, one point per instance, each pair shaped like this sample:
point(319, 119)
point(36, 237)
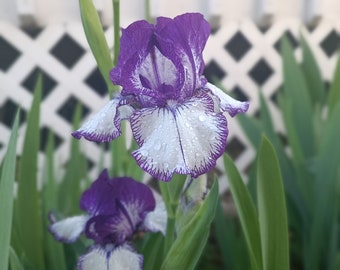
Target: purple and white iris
point(176, 116)
point(116, 209)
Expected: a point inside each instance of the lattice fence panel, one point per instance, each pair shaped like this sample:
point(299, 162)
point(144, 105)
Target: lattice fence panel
point(241, 56)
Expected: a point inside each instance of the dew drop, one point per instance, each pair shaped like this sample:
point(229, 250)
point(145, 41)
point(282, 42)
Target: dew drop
point(157, 146)
point(202, 117)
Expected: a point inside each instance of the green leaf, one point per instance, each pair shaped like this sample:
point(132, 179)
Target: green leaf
point(28, 204)
point(153, 251)
point(14, 261)
point(96, 39)
point(299, 102)
point(70, 187)
point(322, 246)
point(6, 195)
point(334, 92)
point(54, 252)
point(247, 213)
point(231, 243)
point(313, 74)
point(191, 238)
point(272, 210)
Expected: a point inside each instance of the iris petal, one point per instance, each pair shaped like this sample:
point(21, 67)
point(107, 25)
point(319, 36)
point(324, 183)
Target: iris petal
point(106, 258)
point(228, 104)
point(105, 197)
point(156, 220)
point(68, 229)
point(186, 138)
point(182, 40)
point(115, 228)
point(104, 126)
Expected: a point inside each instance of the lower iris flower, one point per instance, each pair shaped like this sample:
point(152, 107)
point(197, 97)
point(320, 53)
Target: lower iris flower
point(177, 117)
point(116, 209)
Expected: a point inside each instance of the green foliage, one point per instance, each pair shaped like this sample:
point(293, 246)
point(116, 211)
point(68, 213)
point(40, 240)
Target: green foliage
point(7, 177)
point(96, 39)
point(310, 169)
point(192, 236)
point(28, 226)
point(271, 209)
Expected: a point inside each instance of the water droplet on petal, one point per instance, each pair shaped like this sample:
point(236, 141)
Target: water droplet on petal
point(157, 146)
point(202, 117)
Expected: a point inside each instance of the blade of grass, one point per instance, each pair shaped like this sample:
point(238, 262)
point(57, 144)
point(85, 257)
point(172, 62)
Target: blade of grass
point(96, 39)
point(247, 213)
point(297, 96)
point(334, 92)
point(54, 253)
point(70, 187)
point(272, 210)
point(28, 204)
point(312, 72)
point(6, 195)
point(323, 248)
point(15, 263)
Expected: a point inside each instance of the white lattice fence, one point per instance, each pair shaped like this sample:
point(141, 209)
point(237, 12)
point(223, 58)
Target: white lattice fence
point(243, 57)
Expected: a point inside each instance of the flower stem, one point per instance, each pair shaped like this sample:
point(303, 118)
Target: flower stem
point(147, 10)
point(116, 30)
point(170, 234)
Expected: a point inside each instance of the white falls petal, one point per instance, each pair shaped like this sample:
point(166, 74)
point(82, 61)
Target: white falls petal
point(228, 104)
point(156, 220)
point(104, 126)
point(184, 138)
point(69, 229)
point(110, 258)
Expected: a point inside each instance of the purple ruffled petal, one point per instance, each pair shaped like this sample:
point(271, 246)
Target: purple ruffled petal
point(182, 40)
point(163, 61)
point(104, 126)
point(105, 197)
point(110, 257)
point(115, 228)
point(184, 138)
point(227, 103)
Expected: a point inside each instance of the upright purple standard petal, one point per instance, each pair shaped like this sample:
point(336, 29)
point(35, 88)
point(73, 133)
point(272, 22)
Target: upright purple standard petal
point(182, 40)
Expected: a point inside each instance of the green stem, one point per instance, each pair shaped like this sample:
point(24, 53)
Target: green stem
point(170, 234)
point(116, 30)
point(147, 10)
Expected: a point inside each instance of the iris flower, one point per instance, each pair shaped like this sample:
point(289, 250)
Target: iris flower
point(176, 116)
point(116, 209)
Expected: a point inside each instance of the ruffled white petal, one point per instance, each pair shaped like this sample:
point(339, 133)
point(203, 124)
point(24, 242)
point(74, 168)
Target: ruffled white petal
point(183, 138)
point(110, 258)
point(104, 126)
point(156, 220)
point(68, 230)
point(228, 104)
